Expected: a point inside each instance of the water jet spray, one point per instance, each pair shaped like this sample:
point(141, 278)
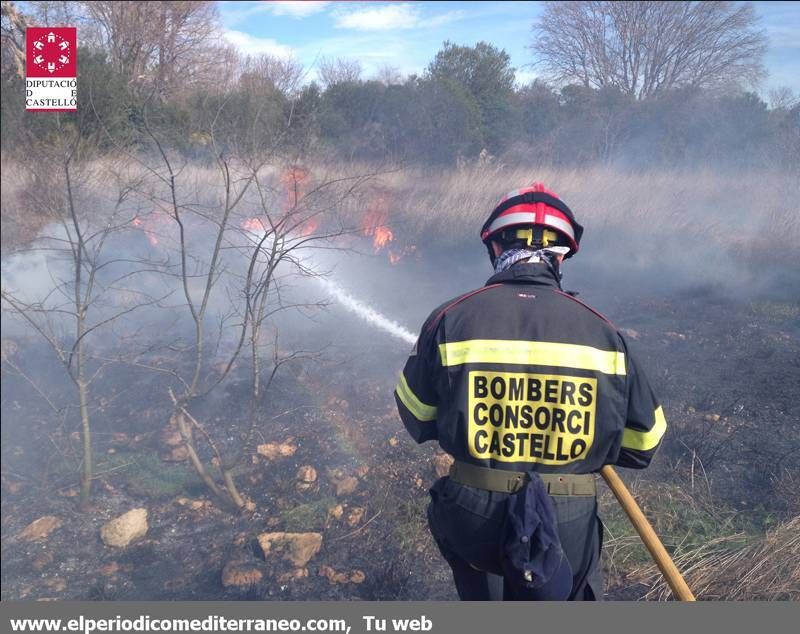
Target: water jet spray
point(366, 312)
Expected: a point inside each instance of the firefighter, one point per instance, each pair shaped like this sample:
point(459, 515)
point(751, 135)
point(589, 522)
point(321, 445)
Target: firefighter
point(525, 385)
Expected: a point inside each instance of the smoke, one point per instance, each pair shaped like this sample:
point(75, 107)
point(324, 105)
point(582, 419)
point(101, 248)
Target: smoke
point(413, 247)
point(647, 233)
point(353, 306)
point(645, 237)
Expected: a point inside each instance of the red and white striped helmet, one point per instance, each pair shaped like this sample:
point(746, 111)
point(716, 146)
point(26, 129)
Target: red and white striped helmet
point(532, 206)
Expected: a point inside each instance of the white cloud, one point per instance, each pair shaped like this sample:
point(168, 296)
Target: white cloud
point(236, 13)
point(390, 17)
point(372, 49)
point(296, 8)
point(525, 76)
point(384, 18)
point(251, 45)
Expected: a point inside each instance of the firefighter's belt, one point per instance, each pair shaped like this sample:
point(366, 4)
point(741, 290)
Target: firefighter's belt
point(512, 481)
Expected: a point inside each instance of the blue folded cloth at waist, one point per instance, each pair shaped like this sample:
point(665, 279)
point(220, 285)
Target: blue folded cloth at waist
point(533, 561)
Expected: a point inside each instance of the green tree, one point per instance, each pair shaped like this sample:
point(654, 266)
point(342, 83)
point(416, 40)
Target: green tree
point(485, 72)
point(539, 115)
point(303, 115)
point(244, 120)
point(447, 122)
point(595, 123)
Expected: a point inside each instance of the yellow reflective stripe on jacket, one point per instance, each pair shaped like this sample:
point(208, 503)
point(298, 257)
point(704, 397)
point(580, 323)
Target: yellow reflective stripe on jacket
point(646, 440)
point(420, 410)
point(565, 355)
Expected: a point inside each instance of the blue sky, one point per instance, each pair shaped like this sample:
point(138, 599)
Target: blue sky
point(406, 35)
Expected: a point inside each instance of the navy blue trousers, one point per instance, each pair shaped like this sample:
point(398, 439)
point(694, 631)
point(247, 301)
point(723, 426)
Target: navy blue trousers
point(467, 523)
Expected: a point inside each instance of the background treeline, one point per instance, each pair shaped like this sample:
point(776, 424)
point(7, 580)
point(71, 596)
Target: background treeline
point(166, 63)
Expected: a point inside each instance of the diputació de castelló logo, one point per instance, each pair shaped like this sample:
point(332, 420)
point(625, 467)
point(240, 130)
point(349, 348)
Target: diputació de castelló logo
point(51, 67)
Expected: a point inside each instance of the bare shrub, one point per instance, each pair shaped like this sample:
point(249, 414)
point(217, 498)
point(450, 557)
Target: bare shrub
point(647, 48)
point(339, 71)
point(158, 45)
point(231, 253)
point(88, 288)
point(261, 73)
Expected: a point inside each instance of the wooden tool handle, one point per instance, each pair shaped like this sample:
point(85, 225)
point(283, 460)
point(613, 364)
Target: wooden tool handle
point(660, 555)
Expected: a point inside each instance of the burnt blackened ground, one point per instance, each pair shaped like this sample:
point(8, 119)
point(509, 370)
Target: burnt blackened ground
point(336, 423)
point(728, 372)
point(726, 368)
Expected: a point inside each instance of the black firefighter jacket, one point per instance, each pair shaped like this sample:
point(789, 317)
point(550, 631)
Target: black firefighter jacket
point(519, 375)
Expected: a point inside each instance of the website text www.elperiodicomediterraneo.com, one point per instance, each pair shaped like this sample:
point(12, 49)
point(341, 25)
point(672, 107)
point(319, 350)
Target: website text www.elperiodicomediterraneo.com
point(214, 623)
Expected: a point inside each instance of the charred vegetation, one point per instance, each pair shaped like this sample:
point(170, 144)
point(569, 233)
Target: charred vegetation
point(210, 289)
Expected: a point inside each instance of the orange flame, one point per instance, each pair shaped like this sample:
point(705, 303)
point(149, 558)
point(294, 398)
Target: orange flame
point(396, 256)
point(253, 225)
point(149, 223)
point(294, 180)
point(374, 221)
point(370, 220)
point(309, 227)
point(382, 237)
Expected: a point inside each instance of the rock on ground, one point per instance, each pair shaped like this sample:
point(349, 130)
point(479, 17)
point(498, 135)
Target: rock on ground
point(297, 573)
point(296, 548)
point(125, 529)
point(273, 450)
point(357, 576)
point(171, 447)
point(307, 473)
point(334, 577)
point(306, 477)
point(39, 528)
point(355, 516)
point(336, 511)
point(345, 484)
point(239, 573)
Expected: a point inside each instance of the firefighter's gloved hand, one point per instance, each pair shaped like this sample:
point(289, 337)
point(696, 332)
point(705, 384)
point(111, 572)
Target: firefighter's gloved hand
point(533, 560)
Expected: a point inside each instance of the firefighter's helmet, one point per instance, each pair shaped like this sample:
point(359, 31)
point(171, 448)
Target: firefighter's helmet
point(536, 216)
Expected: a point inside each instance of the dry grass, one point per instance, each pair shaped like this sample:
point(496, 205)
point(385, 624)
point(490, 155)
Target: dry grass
point(684, 519)
point(330, 190)
point(786, 484)
point(675, 205)
point(723, 553)
point(750, 214)
point(767, 569)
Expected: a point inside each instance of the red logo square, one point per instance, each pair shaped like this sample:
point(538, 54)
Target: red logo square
point(51, 52)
